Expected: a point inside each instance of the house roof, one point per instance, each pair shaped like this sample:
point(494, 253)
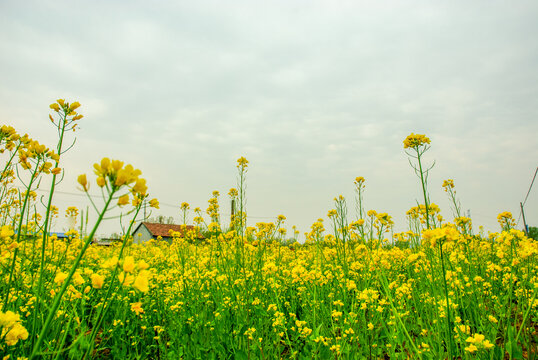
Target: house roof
point(58, 234)
point(164, 230)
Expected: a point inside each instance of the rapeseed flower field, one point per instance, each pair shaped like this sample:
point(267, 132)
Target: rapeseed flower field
point(353, 290)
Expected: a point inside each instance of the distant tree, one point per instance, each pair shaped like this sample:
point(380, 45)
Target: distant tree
point(161, 219)
point(533, 232)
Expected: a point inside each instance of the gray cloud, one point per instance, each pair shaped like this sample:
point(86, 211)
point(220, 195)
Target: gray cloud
point(312, 93)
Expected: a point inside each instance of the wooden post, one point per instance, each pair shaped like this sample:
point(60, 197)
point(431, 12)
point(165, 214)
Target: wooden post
point(524, 221)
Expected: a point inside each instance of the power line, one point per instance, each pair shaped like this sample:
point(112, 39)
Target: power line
point(527, 196)
point(160, 203)
point(530, 187)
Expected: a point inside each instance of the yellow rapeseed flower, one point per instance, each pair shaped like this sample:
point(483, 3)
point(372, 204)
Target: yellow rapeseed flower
point(141, 282)
point(415, 141)
point(60, 277)
point(11, 328)
point(101, 181)
point(242, 162)
point(123, 200)
point(137, 308)
point(154, 203)
point(129, 264)
point(97, 281)
point(83, 181)
point(6, 231)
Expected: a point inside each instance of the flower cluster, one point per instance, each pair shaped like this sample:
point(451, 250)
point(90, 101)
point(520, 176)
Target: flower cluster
point(113, 175)
point(448, 234)
point(11, 328)
point(506, 220)
point(415, 141)
point(242, 163)
point(448, 184)
point(67, 113)
point(477, 342)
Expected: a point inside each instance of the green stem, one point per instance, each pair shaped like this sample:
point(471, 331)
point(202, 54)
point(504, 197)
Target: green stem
point(105, 303)
point(46, 224)
point(449, 321)
point(58, 298)
point(422, 181)
point(19, 231)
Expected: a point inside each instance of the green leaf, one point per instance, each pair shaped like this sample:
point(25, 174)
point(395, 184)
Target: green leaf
point(240, 355)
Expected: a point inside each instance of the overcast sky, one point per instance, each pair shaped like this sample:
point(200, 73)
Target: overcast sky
point(312, 93)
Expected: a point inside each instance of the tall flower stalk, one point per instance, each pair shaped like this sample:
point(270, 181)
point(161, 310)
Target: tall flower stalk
point(35, 158)
point(66, 120)
point(418, 145)
point(114, 179)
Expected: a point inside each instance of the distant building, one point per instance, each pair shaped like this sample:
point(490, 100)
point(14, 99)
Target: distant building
point(106, 241)
point(146, 231)
point(59, 235)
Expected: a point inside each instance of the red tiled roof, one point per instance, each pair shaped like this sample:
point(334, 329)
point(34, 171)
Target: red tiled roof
point(163, 230)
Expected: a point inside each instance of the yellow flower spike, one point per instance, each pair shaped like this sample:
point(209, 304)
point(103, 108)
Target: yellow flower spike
point(116, 165)
point(140, 186)
point(55, 156)
point(129, 264)
point(78, 279)
point(12, 330)
point(136, 201)
point(125, 280)
point(137, 308)
point(54, 107)
point(97, 281)
point(122, 178)
point(242, 162)
point(141, 282)
point(101, 181)
point(83, 181)
point(233, 192)
point(105, 166)
point(143, 265)
point(449, 183)
point(74, 106)
point(61, 102)
point(60, 277)
point(154, 203)
point(6, 231)
point(471, 348)
point(123, 200)
point(415, 141)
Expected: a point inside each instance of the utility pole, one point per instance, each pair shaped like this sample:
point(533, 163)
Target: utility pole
point(524, 221)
